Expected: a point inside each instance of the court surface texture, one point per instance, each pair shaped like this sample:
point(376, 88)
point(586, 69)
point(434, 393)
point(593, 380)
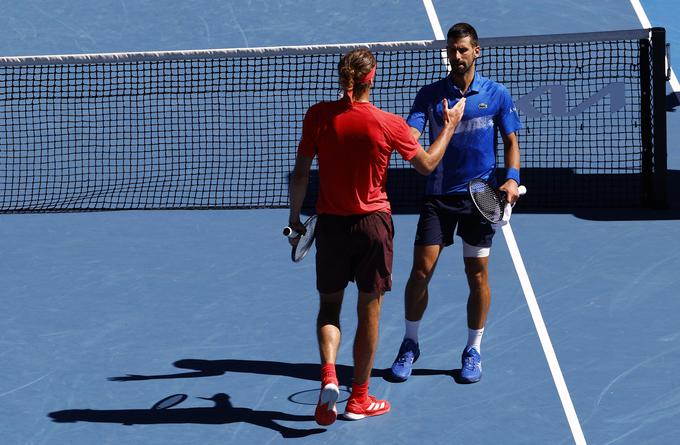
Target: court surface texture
point(105, 314)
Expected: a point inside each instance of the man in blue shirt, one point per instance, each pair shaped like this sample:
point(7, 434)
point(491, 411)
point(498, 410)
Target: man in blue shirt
point(471, 154)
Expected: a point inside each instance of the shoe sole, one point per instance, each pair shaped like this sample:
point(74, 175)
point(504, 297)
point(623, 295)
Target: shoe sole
point(464, 380)
point(357, 416)
point(328, 397)
point(398, 379)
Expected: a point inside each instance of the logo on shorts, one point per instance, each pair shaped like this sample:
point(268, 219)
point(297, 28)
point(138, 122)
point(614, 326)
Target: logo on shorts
point(483, 106)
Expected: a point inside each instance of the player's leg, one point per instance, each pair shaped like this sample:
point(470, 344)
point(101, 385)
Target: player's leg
point(328, 326)
point(479, 299)
point(332, 271)
point(366, 339)
point(373, 272)
point(328, 335)
point(415, 294)
point(416, 298)
point(434, 231)
point(477, 239)
point(361, 404)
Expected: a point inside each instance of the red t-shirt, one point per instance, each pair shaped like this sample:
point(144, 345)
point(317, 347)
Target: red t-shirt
point(353, 142)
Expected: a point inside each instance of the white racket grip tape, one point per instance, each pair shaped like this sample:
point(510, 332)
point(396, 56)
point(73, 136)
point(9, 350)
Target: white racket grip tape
point(508, 207)
point(506, 214)
point(290, 233)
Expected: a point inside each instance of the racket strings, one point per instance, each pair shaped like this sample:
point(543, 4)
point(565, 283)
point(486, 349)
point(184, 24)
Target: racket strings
point(488, 201)
point(306, 240)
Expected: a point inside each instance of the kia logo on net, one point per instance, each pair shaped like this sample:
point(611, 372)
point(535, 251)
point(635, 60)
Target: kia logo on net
point(558, 100)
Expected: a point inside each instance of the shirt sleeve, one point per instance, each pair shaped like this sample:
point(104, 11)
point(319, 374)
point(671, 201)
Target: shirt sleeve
point(310, 132)
point(507, 118)
point(400, 138)
point(417, 117)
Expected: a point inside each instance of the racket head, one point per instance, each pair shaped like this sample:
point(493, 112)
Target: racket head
point(489, 201)
point(170, 401)
point(301, 249)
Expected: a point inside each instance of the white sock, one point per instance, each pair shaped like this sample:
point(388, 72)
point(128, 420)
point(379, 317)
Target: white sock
point(412, 330)
point(475, 338)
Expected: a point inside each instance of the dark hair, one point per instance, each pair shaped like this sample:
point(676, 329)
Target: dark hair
point(460, 30)
point(353, 67)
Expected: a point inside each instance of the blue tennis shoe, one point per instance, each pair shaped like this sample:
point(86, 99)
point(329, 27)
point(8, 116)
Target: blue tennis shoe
point(471, 369)
point(403, 364)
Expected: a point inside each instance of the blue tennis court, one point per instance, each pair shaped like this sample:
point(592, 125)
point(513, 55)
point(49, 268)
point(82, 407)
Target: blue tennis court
point(109, 313)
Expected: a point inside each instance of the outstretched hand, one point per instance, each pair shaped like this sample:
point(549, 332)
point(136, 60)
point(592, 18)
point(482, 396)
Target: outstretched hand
point(452, 116)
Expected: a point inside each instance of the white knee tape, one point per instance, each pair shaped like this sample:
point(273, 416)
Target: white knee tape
point(474, 251)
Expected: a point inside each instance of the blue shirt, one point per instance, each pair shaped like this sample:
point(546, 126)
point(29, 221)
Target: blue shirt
point(471, 152)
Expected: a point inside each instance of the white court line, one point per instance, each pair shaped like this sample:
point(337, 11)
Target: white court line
point(644, 21)
point(437, 29)
point(434, 20)
point(543, 336)
point(530, 297)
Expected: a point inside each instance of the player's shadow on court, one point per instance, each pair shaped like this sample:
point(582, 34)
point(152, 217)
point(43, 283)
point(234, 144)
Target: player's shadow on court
point(304, 371)
point(211, 368)
point(223, 412)
point(453, 373)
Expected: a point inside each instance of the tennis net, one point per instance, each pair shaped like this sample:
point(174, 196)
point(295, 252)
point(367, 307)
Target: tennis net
point(219, 128)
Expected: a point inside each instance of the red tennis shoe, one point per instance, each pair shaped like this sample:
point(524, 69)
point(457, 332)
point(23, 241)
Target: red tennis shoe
point(326, 412)
point(370, 406)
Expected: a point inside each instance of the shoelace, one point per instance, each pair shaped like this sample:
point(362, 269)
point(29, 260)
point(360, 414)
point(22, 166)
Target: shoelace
point(406, 356)
point(470, 362)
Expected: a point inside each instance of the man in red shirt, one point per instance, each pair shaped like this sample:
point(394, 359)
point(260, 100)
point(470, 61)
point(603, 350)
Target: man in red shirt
point(353, 141)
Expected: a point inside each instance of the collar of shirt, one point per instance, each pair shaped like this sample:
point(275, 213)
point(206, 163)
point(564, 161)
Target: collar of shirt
point(474, 88)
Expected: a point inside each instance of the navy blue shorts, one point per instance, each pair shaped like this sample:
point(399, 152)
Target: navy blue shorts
point(440, 215)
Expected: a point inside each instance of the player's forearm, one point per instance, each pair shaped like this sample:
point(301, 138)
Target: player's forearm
point(297, 188)
point(511, 151)
point(297, 192)
point(512, 157)
point(435, 153)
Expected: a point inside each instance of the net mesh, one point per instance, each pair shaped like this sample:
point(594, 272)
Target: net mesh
point(176, 132)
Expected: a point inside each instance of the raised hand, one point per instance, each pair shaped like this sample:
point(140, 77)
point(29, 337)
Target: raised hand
point(452, 116)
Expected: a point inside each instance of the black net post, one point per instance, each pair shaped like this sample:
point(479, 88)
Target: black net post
point(660, 181)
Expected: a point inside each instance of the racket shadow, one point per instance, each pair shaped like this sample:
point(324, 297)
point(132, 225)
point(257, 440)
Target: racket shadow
point(222, 412)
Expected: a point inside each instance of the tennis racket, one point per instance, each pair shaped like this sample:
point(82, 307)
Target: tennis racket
point(490, 201)
point(170, 401)
point(304, 243)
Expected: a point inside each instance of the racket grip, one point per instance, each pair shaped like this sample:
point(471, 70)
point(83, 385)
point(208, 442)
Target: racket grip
point(290, 233)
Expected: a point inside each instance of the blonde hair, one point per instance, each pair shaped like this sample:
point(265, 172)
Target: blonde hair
point(353, 67)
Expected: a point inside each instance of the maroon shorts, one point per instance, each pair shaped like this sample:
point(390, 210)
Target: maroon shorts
point(354, 248)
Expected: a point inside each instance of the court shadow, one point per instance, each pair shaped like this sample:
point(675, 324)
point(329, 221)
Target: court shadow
point(670, 212)
point(602, 197)
point(387, 375)
point(456, 376)
point(210, 368)
point(222, 412)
